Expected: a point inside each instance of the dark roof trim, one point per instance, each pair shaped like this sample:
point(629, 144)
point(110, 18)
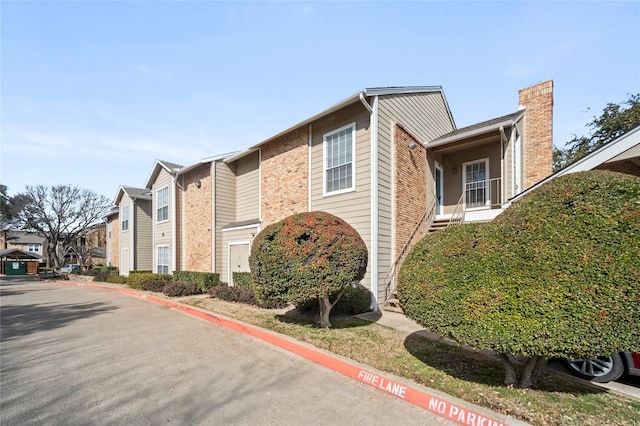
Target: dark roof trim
point(374, 91)
point(19, 254)
point(477, 129)
point(245, 223)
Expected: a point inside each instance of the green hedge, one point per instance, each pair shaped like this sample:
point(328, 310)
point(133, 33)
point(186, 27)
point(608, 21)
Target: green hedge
point(203, 280)
point(116, 279)
point(148, 281)
point(555, 275)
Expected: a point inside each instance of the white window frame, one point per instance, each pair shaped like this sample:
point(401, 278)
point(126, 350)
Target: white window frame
point(124, 215)
point(160, 207)
point(158, 265)
point(487, 201)
point(33, 248)
point(352, 186)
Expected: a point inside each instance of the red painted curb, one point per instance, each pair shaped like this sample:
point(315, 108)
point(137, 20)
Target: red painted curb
point(446, 409)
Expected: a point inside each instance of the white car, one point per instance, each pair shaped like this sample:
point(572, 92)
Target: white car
point(70, 268)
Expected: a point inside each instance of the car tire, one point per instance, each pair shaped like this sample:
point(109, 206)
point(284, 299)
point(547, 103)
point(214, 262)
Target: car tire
point(599, 369)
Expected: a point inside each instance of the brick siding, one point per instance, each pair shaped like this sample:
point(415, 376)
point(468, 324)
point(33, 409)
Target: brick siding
point(284, 176)
point(197, 219)
point(538, 146)
point(410, 169)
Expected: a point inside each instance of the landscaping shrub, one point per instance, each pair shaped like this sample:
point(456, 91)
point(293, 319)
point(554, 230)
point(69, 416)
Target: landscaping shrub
point(148, 281)
point(555, 275)
point(234, 294)
point(243, 279)
point(103, 273)
point(203, 280)
point(307, 256)
point(116, 279)
point(179, 289)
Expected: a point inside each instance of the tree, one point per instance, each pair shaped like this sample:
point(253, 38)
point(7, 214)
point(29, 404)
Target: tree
point(60, 214)
point(6, 208)
point(305, 257)
point(613, 123)
point(555, 275)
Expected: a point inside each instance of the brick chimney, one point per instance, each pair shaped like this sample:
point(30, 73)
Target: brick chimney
point(537, 101)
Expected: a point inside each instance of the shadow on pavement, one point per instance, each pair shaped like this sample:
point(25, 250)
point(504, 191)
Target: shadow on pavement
point(22, 320)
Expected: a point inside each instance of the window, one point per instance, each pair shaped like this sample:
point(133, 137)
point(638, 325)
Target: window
point(162, 211)
point(124, 214)
point(339, 149)
point(163, 260)
point(476, 183)
point(34, 248)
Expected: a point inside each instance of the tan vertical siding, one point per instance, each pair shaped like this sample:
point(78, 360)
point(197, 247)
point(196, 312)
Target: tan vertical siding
point(247, 187)
point(233, 236)
point(163, 232)
point(225, 205)
point(143, 255)
point(353, 207)
point(125, 236)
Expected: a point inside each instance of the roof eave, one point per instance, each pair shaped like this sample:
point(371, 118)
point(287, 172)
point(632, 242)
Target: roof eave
point(475, 132)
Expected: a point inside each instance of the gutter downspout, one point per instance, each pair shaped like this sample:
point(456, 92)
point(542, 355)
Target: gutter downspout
point(374, 199)
point(173, 223)
point(309, 149)
point(213, 216)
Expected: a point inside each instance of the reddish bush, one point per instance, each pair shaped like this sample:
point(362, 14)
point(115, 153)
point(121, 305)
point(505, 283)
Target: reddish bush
point(307, 256)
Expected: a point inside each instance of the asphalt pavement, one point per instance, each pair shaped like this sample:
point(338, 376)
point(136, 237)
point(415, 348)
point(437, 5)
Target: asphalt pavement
point(75, 355)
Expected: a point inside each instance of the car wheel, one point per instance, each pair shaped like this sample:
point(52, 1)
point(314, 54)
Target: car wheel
point(599, 369)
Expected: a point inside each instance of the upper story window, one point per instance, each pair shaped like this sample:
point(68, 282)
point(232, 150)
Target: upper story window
point(339, 164)
point(162, 211)
point(124, 217)
point(34, 248)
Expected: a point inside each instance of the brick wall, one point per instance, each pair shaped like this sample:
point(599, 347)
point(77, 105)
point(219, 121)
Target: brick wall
point(115, 241)
point(197, 219)
point(410, 169)
point(538, 144)
point(284, 176)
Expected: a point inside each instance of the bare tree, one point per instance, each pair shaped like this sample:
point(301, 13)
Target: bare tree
point(60, 214)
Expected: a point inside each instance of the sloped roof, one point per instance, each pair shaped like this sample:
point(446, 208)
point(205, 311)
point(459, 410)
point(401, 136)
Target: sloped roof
point(171, 168)
point(18, 254)
point(477, 129)
point(133, 193)
point(360, 97)
point(594, 159)
point(21, 237)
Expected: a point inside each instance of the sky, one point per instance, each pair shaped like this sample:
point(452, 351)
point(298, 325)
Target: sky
point(93, 93)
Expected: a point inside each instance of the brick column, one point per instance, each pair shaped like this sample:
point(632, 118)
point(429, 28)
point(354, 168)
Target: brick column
point(538, 131)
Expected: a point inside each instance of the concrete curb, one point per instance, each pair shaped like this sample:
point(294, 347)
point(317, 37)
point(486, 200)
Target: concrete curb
point(446, 406)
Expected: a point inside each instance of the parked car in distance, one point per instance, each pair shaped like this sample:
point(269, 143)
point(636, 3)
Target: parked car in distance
point(604, 369)
point(70, 268)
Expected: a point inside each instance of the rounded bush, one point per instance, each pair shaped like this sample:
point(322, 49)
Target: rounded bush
point(555, 275)
point(306, 256)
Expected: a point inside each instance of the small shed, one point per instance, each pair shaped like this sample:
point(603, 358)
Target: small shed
point(19, 262)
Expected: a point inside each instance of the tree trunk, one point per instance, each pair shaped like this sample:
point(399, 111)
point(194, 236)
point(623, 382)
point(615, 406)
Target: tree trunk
point(510, 378)
point(531, 372)
point(325, 310)
point(537, 370)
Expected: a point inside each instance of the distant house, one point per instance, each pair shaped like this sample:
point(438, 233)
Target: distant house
point(389, 161)
point(22, 247)
point(129, 230)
